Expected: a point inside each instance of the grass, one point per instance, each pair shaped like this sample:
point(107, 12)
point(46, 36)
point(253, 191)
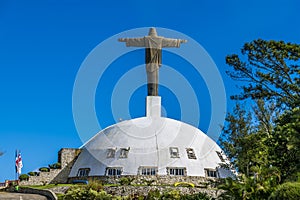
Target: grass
point(42, 187)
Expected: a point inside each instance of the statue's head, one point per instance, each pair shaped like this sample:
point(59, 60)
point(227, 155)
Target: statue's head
point(152, 32)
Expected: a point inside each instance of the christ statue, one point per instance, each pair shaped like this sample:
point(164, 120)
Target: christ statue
point(153, 49)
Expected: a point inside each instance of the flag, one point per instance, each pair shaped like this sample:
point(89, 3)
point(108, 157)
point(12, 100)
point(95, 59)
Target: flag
point(19, 163)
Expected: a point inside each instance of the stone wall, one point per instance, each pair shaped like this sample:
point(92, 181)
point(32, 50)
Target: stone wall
point(66, 157)
point(47, 193)
point(144, 190)
point(198, 181)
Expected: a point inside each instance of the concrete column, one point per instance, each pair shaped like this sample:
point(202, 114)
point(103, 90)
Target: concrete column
point(153, 106)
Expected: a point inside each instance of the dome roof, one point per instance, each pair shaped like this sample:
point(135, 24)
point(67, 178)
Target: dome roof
point(159, 143)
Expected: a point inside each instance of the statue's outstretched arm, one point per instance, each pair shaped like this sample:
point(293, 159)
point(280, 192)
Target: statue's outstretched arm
point(133, 42)
point(169, 42)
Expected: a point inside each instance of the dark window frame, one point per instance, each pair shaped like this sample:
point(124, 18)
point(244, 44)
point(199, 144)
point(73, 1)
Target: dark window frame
point(83, 172)
point(148, 170)
point(177, 171)
point(211, 173)
point(191, 153)
point(220, 156)
point(113, 171)
point(173, 153)
point(124, 152)
point(111, 153)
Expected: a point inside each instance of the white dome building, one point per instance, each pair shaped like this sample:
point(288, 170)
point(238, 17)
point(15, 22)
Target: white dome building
point(151, 145)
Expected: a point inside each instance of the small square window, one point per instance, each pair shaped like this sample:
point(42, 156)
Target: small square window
point(211, 173)
point(174, 152)
point(113, 171)
point(124, 153)
point(190, 153)
point(111, 153)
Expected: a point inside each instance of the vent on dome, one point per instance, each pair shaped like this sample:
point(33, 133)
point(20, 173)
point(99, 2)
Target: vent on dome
point(211, 173)
point(220, 156)
point(124, 152)
point(190, 153)
point(113, 171)
point(148, 171)
point(83, 172)
point(111, 153)
point(174, 152)
point(176, 171)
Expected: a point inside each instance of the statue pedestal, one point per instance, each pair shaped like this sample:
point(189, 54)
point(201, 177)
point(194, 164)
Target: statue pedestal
point(153, 106)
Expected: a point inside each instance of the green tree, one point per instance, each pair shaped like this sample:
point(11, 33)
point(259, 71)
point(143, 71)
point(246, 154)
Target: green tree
point(284, 145)
point(270, 69)
point(263, 141)
point(245, 134)
point(23, 177)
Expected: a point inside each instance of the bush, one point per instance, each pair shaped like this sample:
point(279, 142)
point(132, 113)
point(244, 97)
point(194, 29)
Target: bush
point(172, 194)
point(125, 181)
point(44, 169)
point(86, 193)
point(23, 177)
point(199, 196)
point(153, 194)
point(55, 166)
point(288, 190)
point(33, 173)
point(95, 185)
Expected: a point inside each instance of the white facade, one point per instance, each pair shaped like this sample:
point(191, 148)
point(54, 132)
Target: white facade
point(151, 145)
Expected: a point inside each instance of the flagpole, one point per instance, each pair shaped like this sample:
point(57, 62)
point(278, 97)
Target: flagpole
point(16, 170)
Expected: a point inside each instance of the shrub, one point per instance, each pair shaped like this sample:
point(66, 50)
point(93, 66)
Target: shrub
point(86, 193)
point(44, 169)
point(125, 181)
point(153, 194)
point(172, 194)
point(55, 166)
point(95, 185)
point(23, 177)
point(288, 190)
point(148, 182)
point(33, 173)
point(199, 196)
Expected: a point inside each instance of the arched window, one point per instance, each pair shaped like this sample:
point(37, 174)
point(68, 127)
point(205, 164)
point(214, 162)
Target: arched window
point(83, 172)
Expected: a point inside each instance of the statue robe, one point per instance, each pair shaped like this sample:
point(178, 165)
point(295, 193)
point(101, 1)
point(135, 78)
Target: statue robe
point(153, 56)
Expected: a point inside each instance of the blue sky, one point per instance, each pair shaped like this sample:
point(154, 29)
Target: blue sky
point(43, 44)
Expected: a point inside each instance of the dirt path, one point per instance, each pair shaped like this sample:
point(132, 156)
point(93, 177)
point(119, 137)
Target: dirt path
point(20, 196)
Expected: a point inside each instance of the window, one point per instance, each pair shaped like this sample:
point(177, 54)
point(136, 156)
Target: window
point(190, 153)
point(111, 153)
point(124, 152)
point(220, 156)
point(174, 152)
point(148, 171)
point(211, 173)
point(177, 171)
point(113, 171)
point(83, 172)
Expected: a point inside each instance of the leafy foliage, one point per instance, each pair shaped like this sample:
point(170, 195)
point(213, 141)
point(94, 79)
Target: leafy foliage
point(33, 173)
point(85, 193)
point(23, 177)
point(264, 142)
point(287, 191)
point(44, 169)
point(93, 191)
point(55, 166)
point(271, 70)
point(125, 180)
